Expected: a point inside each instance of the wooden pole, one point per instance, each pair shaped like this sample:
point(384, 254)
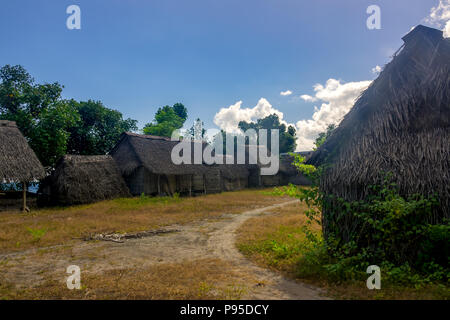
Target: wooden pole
point(24, 198)
point(204, 184)
point(159, 186)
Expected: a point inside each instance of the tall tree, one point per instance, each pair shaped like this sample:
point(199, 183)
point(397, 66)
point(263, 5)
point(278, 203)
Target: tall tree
point(39, 111)
point(99, 128)
point(180, 110)
point(287, 135)
point(167, 119)
point(54, 126)
point(323, 136)
point(198, 131)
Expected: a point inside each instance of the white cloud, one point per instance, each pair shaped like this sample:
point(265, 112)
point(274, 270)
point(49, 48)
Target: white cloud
point(308, 98)
point(440, 17)
point(447, 30)
point(376, 70)
point(229, 118)
point(441, 12)
point(338, 98)
point(286, 93)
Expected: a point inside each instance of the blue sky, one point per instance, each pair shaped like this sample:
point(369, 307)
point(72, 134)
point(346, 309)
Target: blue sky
point(208, 54)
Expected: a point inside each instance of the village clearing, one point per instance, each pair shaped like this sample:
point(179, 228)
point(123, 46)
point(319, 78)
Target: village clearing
point(199, 260)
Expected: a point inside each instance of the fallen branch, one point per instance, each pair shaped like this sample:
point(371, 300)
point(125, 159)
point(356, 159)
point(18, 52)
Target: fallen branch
point(120, 237)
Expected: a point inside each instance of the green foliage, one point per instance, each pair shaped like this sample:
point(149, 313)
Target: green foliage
point(180, 111)
point(198, 131)
point(176, 196)
point(54, 126)
point(39, 111)
point(99, 129)
point(37, 234)
point(392, 232)
point(323, 136)
point(287, 135)
point(167, 120)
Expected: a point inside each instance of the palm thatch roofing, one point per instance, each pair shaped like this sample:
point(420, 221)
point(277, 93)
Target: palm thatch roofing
point(400, 124)
point(84, 179)
point(154, 154)
point(233, 171)
point(18, 162)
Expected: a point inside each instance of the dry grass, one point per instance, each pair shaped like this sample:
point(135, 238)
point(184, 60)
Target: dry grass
point(274, 242)
point(54, 226)
point(200, 279)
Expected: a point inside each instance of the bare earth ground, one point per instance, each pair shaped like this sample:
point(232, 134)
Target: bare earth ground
point(200, 261)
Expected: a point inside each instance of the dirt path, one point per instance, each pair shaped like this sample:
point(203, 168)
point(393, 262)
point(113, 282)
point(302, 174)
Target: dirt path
point(222, 242)
point(204, 239)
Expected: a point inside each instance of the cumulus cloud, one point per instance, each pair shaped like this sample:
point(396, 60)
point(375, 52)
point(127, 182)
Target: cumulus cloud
point(286, 93)
point(308, 98)
point(440, 17)
point(337, 99)
point(441, 12)
point(228, 118)
point(376, 70)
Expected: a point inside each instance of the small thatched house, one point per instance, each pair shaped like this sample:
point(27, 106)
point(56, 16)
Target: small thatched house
point(146, 164)
point(83, 179)
point(18, 162)
point(400, 124)
point(288, 173)
point(233, 176)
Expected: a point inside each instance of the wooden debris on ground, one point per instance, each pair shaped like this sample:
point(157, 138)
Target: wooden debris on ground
point(120, 237)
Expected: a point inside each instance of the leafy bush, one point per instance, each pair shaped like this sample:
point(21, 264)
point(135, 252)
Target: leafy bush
point(389, 230)
point(37, 234)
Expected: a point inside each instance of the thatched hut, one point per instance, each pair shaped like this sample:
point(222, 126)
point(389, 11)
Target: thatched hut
point(146, 164)
point(288, 173)
point(250, 170)
point(18, 162)
point(82, 179)
point(233, 176)
point(400, 124)
point(213, 180)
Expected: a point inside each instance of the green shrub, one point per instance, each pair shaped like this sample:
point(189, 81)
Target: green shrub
point(388, 230)
point(37, 234)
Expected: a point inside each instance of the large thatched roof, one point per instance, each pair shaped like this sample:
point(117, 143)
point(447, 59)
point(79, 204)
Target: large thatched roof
point(401, 124)
point(84, 179)
point(233, 171)
point(18, 162)
point(153, 153)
